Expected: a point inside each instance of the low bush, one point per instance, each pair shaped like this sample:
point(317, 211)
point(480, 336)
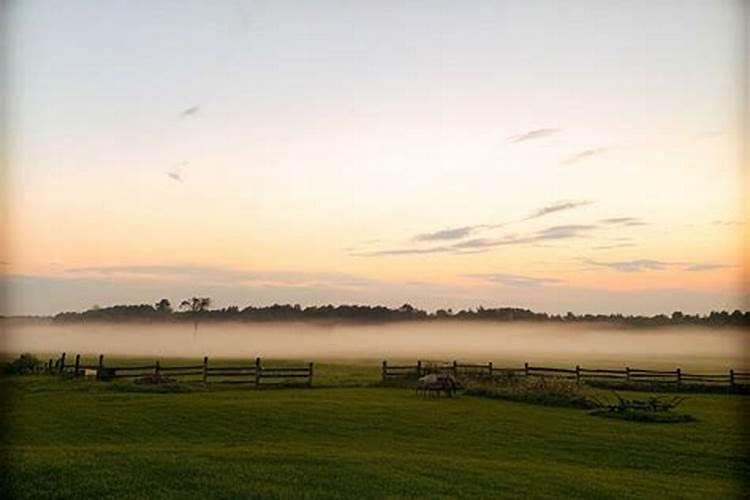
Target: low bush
point(25, 364)
point(550, 391)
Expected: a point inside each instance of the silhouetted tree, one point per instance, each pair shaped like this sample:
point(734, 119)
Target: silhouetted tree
point(163, 307)
point(195, 306)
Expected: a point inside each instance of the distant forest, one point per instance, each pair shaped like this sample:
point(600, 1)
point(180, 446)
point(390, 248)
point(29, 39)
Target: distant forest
point(198, 309)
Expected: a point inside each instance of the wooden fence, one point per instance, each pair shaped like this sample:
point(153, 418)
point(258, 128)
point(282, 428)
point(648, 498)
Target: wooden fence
point(255, 374)
point(731, 378)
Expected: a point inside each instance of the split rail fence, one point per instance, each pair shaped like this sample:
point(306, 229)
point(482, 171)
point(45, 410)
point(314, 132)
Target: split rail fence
point(627, 375)
point(254, 374)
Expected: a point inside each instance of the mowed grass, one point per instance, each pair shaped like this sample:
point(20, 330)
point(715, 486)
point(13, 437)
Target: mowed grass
point(347, 438)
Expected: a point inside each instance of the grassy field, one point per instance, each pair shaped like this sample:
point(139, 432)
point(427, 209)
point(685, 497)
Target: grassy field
point(347, 438)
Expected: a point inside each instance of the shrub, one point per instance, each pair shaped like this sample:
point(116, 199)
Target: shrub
point(551, 391)
point(25, 364)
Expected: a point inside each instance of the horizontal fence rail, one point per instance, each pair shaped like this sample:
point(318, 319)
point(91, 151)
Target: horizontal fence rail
point(255, 374)
point(731, 378)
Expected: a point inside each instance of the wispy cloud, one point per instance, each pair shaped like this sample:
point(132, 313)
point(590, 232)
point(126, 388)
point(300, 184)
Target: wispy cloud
point(564, 232)
point(534, 134)
point(705, 267)
point(515, 280)
point(448, 234)
point(631, 266)
point(481, 244)
point(623, 221)
point(558, 206)
point(613, 245)
point(485, 243)
point(191, 111)
point(176, 173)
point(402, 251)
point(458, 233)
point(584, 155)
point(640, 265)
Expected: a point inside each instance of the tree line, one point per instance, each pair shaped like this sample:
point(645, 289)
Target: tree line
point(198, 309)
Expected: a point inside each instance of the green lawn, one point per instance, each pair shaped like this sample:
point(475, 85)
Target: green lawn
point(81, 439)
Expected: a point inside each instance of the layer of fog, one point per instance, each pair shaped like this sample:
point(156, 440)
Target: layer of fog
point(514, 343)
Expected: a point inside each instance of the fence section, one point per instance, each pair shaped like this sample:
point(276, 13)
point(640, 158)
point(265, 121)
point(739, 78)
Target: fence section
point(255, 374)
point(627, 375)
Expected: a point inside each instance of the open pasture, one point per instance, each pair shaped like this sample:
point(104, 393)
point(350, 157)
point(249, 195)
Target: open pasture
point(348, 438)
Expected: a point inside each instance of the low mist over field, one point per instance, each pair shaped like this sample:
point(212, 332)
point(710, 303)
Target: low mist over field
point(510, 343)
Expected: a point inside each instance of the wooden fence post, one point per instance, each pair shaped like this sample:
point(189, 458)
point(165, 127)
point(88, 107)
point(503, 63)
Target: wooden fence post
point(77, 365)
point(309, 380)
point(157, 368)
point(489, 368)
point(578, 375)
point(62, 363)
point(731, 377)
point(384, 370)
point(455, 367)
point(100, 368)
point(526, 369)
point(205, 369)
point(679, 376)
point(258, 369)
point(627, 374)
point(419, 368)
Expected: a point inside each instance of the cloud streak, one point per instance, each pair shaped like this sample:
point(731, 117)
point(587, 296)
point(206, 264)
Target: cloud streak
point(557, 207)
point(705, 267)
point(515, 280)
point(641, 265)
point(584, 155)
point(458, 233)
point(562, 232)
point(531, 135)
point(191, 111)
point(613, 245)
point(448, 234)
point(623, 221)
point(403, 251)
point(631, 266)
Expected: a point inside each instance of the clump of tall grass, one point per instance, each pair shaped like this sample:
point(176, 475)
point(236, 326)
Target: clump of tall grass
point(25, 364)
point(551, 391)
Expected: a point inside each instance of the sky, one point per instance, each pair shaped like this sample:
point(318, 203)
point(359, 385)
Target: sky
point(585, 157)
